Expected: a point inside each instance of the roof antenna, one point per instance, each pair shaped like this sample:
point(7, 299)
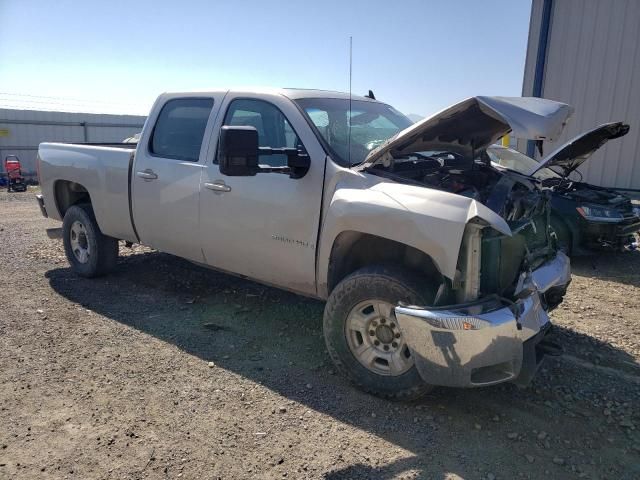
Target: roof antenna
point(350, 75)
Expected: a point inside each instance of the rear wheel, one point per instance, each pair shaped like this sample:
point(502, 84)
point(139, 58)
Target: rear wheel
point(363, 338)
point(89, 252)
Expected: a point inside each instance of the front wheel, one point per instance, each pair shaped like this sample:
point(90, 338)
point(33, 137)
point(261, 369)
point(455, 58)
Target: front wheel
point(363, 338)
point(89, 252)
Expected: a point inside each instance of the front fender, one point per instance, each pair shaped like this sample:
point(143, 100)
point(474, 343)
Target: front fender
point(429, 220)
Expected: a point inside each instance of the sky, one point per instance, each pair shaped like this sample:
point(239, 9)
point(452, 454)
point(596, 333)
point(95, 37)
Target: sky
point(117, 56)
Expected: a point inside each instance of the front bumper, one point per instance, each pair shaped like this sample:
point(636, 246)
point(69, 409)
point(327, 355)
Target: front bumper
point(617, 235)
point(489, 341)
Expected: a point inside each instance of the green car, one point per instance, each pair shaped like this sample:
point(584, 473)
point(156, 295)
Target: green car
point(584, 217)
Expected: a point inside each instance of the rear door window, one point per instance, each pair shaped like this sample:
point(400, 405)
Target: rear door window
point(180, 127)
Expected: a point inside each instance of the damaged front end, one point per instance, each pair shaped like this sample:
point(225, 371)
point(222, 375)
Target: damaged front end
point(491, 340)
point(490, 322)
point(495, 326)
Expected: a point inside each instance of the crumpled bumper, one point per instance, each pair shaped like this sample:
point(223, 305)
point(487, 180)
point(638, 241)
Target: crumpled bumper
point(488, 341)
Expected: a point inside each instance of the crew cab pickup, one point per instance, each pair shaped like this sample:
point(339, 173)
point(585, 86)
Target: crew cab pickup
point(437, 267)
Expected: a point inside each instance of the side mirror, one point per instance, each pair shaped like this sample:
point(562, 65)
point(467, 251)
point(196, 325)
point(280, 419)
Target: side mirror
point(238, 151)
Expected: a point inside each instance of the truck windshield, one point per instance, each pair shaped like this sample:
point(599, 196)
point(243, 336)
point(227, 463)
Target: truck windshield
point(371, 124)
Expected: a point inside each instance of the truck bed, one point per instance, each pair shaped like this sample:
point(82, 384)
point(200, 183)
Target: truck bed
point(127, 146)
point(103, 170)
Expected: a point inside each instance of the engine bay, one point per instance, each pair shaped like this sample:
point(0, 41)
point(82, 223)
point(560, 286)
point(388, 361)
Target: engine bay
point(592, 194)
point(511, 195)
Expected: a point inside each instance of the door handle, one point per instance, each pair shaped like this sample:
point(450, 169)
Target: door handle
point(218, 186)
point(147, 174)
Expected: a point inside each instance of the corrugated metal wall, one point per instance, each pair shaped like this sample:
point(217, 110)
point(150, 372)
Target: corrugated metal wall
point(21, 131)
point(593, 63)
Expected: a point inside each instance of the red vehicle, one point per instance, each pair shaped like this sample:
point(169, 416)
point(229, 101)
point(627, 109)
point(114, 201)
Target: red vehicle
point(15, 180)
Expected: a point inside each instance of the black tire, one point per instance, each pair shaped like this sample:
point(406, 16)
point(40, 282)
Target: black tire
point(104, 249)
point(383, 283)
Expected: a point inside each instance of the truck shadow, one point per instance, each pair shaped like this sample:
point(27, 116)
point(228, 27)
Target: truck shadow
point(275, 339)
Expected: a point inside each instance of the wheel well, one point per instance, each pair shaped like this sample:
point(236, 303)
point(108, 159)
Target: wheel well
point(69, 193)
point(354, 250)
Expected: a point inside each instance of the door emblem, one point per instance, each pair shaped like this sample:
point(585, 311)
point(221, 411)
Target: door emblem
point(291, 241)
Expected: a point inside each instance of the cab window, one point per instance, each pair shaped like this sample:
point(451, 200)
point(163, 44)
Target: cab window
point(179, 130)
point(274, 130)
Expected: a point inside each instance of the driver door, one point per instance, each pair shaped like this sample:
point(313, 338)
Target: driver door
point(264, 227)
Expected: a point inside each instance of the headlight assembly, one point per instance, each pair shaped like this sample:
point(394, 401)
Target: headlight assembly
point(599, 214)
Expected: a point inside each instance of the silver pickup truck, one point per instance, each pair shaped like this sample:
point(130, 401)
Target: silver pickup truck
point(438, 268)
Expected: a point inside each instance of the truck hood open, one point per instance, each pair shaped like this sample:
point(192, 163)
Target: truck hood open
point(575, 152)
point(474, 124)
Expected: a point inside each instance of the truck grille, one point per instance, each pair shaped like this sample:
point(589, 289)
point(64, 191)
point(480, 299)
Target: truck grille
point(503, 258)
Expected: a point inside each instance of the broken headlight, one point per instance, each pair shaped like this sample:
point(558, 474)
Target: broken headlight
point(599, 214)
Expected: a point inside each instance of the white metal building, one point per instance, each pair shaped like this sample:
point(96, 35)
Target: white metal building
point(21, 131)
point(587, 53)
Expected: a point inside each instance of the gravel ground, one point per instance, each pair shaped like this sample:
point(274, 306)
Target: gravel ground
point(167, 370)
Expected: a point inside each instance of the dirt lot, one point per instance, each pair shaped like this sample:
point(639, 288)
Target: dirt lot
point(167, 370)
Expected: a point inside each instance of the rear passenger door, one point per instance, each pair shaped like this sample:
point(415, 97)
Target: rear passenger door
point(166, 175)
